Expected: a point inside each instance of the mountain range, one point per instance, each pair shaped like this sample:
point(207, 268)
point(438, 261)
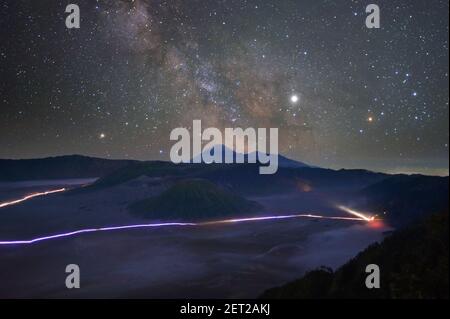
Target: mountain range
point(59, 167)
point(282, 160)
point(404, 198)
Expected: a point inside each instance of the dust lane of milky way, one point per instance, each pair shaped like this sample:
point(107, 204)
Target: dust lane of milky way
point(342, 95)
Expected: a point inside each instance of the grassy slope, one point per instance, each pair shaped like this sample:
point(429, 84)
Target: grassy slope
point(192, 199)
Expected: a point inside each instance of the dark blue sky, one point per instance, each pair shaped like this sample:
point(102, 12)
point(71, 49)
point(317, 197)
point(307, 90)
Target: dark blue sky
point(135, 70)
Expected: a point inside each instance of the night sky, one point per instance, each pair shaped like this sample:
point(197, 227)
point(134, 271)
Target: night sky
point(135, 70)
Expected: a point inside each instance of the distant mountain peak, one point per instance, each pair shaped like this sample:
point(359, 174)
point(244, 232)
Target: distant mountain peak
point(282, 160)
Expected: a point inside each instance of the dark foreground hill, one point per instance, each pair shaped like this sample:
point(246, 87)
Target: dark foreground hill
point(407, 198)
point(194, 199)
point(61, 167)
point(413, 263)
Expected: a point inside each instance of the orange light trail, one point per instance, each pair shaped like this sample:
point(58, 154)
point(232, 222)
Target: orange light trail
point(17, 201)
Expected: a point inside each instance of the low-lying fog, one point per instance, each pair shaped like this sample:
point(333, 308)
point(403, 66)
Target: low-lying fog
point(220, 261)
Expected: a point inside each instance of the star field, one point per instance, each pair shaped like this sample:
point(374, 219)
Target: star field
point(342, 95)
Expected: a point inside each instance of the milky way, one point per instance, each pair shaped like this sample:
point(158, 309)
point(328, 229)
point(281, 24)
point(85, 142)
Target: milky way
point(341, 95)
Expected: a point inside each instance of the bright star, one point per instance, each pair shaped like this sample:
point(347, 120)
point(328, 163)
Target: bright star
point(294, 98)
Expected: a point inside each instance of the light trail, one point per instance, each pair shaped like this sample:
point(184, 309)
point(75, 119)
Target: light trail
point(251, 219)
point(156, 225)
point(355, 213)
point(17, 201)
point(358, 217)
point(89, 230)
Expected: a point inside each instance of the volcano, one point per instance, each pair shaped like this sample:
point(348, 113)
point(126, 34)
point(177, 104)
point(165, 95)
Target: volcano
point(194, 199)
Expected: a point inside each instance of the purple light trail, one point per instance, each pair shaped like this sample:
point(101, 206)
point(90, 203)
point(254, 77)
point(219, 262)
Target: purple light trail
point(359, 217)
point(157, 225)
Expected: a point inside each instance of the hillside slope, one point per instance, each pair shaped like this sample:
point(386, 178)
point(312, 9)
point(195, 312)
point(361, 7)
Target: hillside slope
point(193, 199)
point(407, 198)
point(413, 264)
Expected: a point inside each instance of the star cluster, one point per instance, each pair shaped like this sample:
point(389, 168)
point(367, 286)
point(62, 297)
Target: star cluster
point(342, 95)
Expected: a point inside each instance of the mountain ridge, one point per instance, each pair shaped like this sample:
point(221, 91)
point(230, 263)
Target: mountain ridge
point(283, 161)
point(59, 167)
